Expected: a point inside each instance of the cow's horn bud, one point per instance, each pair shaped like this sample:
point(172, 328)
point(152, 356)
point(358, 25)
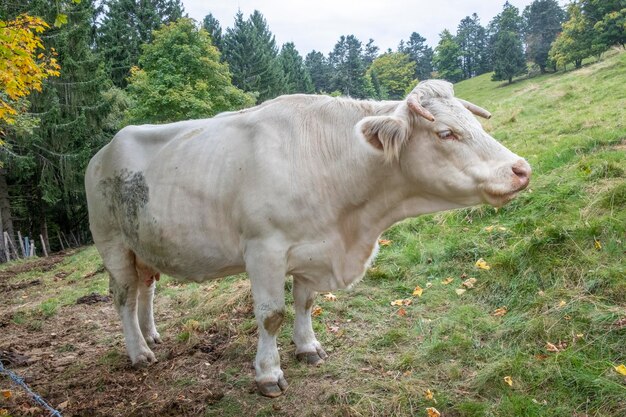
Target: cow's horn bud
point(477, 110)
point(413, 101)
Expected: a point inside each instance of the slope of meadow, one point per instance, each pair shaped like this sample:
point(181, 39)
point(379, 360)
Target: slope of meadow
point(539, 334)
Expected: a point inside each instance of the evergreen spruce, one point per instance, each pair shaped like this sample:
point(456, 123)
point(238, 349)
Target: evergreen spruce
point(319, 70)
point(508, 58)
point(297, 79)
point(213, 27)
point(348, 67)
point(420, 53)
point(542, 23)
point(447, 59)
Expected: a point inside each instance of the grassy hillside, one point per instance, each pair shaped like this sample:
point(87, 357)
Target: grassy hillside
point(549, 316)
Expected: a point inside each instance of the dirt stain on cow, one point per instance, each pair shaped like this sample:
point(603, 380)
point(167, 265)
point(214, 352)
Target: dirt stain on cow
point(127, 193)
point(273, 321)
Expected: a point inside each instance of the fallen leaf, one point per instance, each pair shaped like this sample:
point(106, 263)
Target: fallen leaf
point(6, 393)
point(317, 310)
point(418, 291)
point(621, 369)
point(562, 303)
point(447, 281)
point(429, 284)
point(63, 405)
point(489, 228)
point(597, 244)
point(469, 283)
point(567, 317)
point(459, 291)
point(4, 412)
point(541, 356)
point(540, 293)
point(401, 312)
point(463, 275)
point(580, 335)
point(384, 242)
point(508, 380)
point(432, 412)
point(482, 264)
point(333, 329)
point(402, 302)
point(502, 229)
point(499, 312)
point(330, 296)
point(551, 347)
point(428, 394)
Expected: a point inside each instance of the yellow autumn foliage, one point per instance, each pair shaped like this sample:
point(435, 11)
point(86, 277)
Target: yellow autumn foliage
point(23, 65)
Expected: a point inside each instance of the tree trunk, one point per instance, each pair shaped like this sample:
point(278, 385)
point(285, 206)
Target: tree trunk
point(510, 80)
point(542, 69)
point(578, 63)
point(6, 221)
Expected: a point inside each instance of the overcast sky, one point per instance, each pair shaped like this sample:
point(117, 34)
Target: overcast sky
point(318, 24)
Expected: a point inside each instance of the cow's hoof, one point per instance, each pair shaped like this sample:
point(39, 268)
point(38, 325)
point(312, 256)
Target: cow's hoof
point(272, 389)
point(153, 339)
point(312, 358)
point(144, 359)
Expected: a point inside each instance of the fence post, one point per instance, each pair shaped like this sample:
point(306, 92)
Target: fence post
point(43, 245)
point(6, 247)
point(19, 236)
point(60, 240)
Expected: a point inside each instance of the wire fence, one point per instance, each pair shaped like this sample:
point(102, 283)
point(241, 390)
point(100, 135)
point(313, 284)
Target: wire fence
point(32, 394)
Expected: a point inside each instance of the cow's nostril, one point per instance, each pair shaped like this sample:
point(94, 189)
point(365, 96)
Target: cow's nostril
point(522, 170)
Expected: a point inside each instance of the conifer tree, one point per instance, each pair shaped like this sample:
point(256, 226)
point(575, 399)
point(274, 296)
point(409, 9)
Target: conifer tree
point(319, 70)
point(471, 37)
point(542, 23)
point(447, 59)
point(251, 52)
point(420, 53)
point(508, 52)
point(213, 27)
point(297, 79)
point(125, 26)
point(348, 67)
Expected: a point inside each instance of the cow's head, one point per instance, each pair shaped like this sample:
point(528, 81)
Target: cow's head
point(442, 150)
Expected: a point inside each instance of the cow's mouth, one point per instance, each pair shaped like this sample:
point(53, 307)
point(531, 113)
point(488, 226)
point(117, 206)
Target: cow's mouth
point(499, 198)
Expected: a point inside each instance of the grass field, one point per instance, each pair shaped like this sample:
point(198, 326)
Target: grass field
point(540, 333)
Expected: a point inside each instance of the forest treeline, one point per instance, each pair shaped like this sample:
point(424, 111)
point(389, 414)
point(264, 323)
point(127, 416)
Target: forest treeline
point(106, 64)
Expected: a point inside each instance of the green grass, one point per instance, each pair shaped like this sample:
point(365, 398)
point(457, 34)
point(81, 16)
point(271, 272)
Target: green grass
point(557, 257)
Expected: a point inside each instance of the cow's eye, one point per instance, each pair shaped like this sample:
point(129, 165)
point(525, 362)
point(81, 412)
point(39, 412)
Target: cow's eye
point(447, 134)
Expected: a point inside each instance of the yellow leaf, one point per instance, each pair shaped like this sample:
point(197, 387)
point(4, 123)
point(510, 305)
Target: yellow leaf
point(502, 229)
point(499, 312)
point(384, 242)
point(508, 380)
point(489, 228)
point(597, 244)
point(562, 303)
point(402, 302)
point(580, 335)
point(621, 369)
point(447, 281)
point(459, 291)
point(6, 393)
point(481, 264)
point(432, 412)
point(330, 296)
point(428, 394)
point(469, 283)
point(418, 291)
point(317, 310)
point(551, 347)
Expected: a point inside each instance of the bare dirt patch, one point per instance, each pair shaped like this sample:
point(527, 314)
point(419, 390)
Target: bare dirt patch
point(76, 358)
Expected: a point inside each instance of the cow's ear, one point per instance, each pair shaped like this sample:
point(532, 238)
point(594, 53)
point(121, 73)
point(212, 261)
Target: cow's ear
point(385, 133)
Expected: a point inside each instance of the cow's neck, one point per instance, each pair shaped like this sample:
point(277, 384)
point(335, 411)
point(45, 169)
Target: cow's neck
point(385, 202)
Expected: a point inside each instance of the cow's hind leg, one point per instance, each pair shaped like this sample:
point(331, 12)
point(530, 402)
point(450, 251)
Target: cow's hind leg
point(308, 349)
point(146, 287)
point(267, 278)
point(124, 282)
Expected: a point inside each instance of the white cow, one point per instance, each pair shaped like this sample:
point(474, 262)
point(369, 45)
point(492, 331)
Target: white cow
point(301, 185)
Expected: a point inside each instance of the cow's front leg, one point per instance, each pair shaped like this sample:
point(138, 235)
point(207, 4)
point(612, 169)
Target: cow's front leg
point(267, 278)
point(308, 349)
